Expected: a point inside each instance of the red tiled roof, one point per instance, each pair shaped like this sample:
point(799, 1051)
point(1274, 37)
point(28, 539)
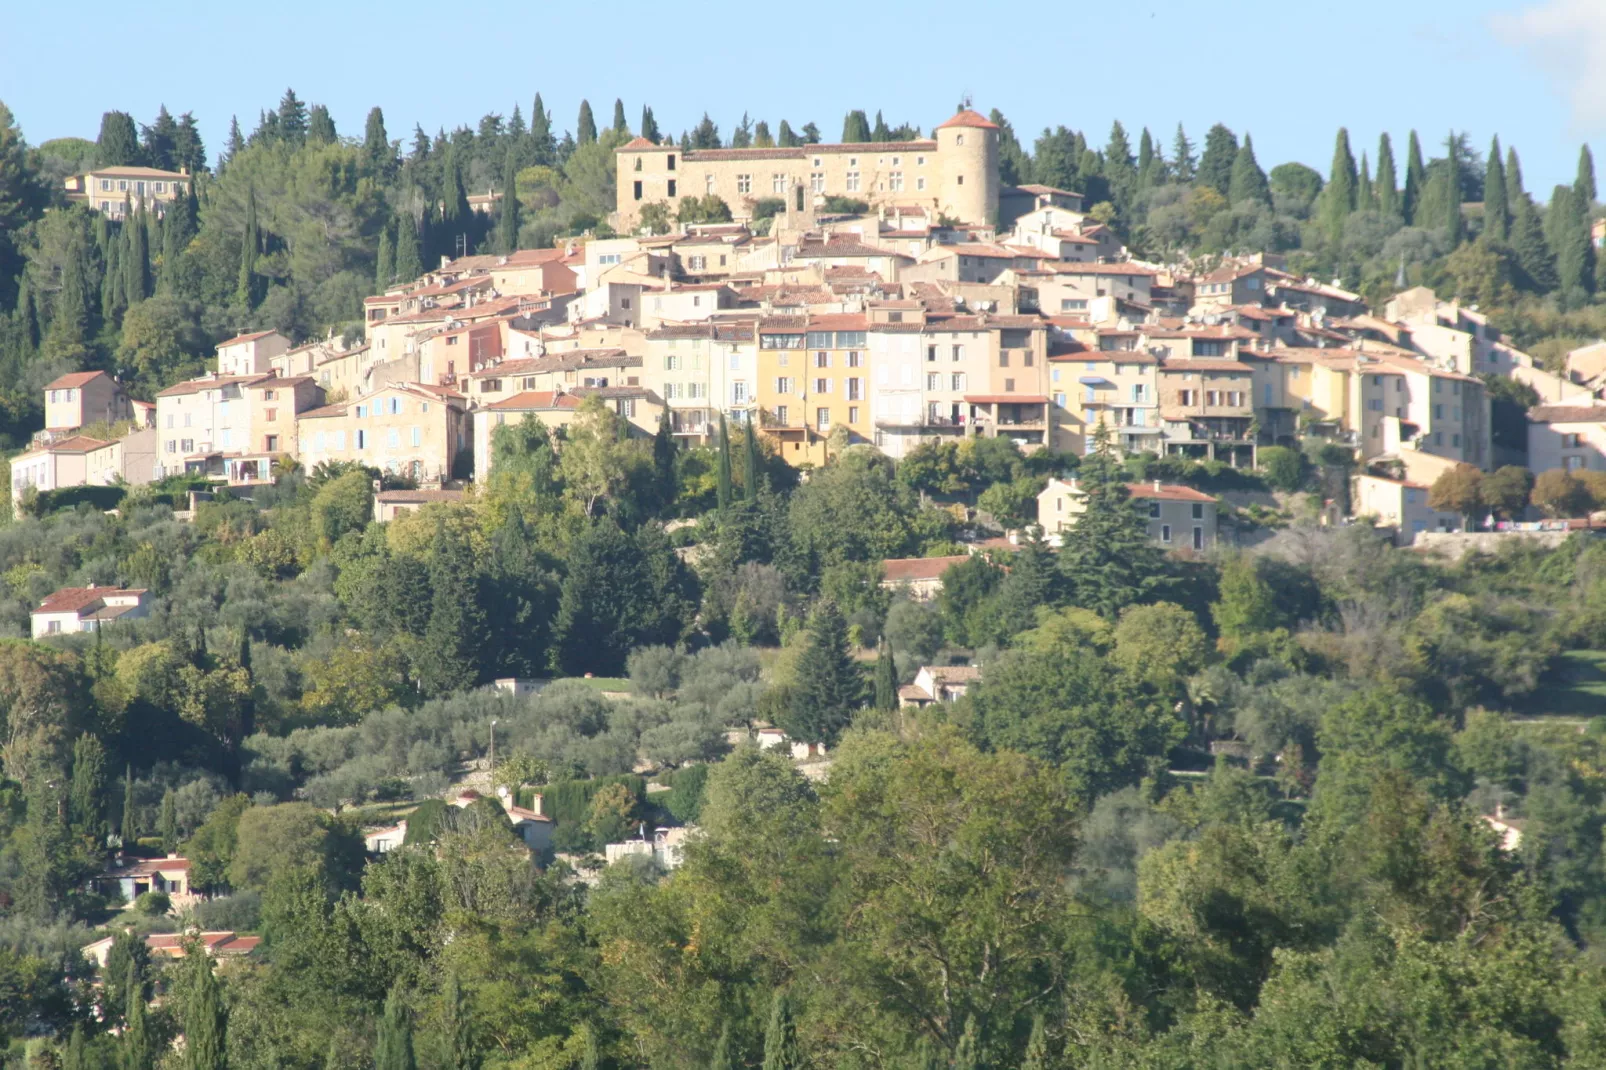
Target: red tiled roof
point(71, 380)
point(906, 569)
point(1006, 399)
point(1171, 492)
point(242, 338)
point(145, 867)
point(1568, 414)
point(538, 399)
point(968, 118)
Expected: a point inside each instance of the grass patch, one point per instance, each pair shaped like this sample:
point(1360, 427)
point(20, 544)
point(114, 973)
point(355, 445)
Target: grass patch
point(603, 683)
point(1574, 687)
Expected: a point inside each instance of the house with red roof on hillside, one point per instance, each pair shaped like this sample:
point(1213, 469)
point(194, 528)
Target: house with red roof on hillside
point(1178, 517)
point(86, 609)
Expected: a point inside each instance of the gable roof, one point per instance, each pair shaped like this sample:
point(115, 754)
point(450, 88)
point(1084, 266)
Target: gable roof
point(1568, 414)
point(73, 379)
point(907, 569)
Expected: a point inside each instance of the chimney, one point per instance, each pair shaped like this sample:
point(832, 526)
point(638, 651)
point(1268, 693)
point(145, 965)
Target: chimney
point(535, 805)
point(1157, 486)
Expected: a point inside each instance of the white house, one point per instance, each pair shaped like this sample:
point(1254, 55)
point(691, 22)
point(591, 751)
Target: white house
point(938, 683)
point(385, 840)
point(87, 609)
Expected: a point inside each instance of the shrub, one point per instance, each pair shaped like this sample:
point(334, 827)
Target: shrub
point(1284, 468)
point(153, 904)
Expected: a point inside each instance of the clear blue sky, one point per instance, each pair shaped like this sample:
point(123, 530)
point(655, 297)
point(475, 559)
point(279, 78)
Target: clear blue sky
point(1291, 73)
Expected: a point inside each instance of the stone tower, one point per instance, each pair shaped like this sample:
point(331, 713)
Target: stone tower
point(967, 152)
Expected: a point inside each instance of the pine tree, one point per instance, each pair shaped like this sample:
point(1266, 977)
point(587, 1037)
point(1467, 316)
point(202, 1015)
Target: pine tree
point(205, 1018)
point(507, 220)
point(1415, 179)
point(1248, 185)
point(781, 1051)
point(409, 261)
point(886, 681)
point(1109, 560)
point(1183, 163)
point(321, 126)
point(118, 143)
point(385, 262)
point(742, 136)
point(1338, 199)
point(139, 1048)
point(1496, 205)
point(829, 685)
point(461, 1052)
point(1529, 245)
point(1215, 166)
point(250, 246)
point(649, 125)
point(189, 152)
point(585, 130)
point(620, 126)
point(724, 1057)
point(1386, 185)
point(159, 141)
point(724, 465)
point(167, 827)
point(236, 142)
point(752, 464)
point(393, 1047)
point(292, 125)
point(1584, 184)
point(1037, 1055)
point(458, 632)
point(129, 829)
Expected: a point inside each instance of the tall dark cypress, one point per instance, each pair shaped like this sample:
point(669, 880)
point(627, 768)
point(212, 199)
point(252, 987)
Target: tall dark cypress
point(1338, 199)
point(87, 803)
point(409, 260)
point(179, 227)
point(507, 220)
point(724, 464)
point(663, 456)
point(1248, 185)
point(1386, 184)
point(886, 681)
point(137, 259)
point(1514, 186)
point(752, 463)
point(385, 262)
point(461, 1052)
point(1530, 245)
point(113, 287)
point(139, 1048)
point(585, 128)
point(1415, 178)
point(1455, 228)
point(393, 1048)
point(620, 126)
point(542, 147)
point(204, 1017)
point(1496, 205)
point(1570, 238)
point(129, 828)
point(1584, 184)
point(649, 125)
point(250, 246)
point(781, 1051)
point(375, 141)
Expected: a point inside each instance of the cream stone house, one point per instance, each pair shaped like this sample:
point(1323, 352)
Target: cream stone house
point(410, 430)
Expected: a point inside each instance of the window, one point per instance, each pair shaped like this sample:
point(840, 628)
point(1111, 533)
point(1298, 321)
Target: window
point(122, 185)
point(186, 445)
point(956, 381)
point(708, 183)
point(855, 387)
point(931, 354)
point(1438, 386)
point(822, 386)
point(1154, 510)
point(895, 182)
point(1165, 532)
point(271, 444)
point(270, 415)
point(604, 259)
point(784, 385)
point(817, 182)
point(672, 363)
point(781, 415)
point(1003, 358)
point(696, 263)
point(853, 360)
point(671, 167)
point(920, 183)
point(959, 353)
point(777, 183)
point(1009, 386)
point(738, 393)
point(161, 187)
point(418, 436)
point(822, 419)
point(822, 360)
point(1138, 396)
point(172, 447)
point(361, 439)
point(1572, 464)
point(1455, 388)
point(959, 180)
point(1438, 411)
point(960, 140)
point(1186, 397)
point(853, 181)
point(932, 380)
point(1198, 536)
point(1571, 441)
point(1212, 397)
point(636, 186)
point(1198, 510)
point(672, 185)
point(744, 183)
point(105, 185)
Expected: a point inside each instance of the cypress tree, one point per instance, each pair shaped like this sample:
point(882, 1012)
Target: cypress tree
point(781, 1050)
point(179, 226)
point(1387, 182)
point(250, 246)
point(1363, 192)
point(752, 464)
point(1145, 158)
point(785, 138)
point(886, 681)
point(168, 826)
point(1415, 178)
point(138, 1046)
point(1570, 238)
point(129, 829)
point(393, 1048)
point(205, 1018)
point(585, 131)
point(1182, 159)
point(113, 287)
point(1455, 228)
point(724, 465)
point(87, 803)
point(28, 317)
point(543, 150)
point(1338, 199)
point(855, 127)
point(619, 124)
point(461, 1053)
point(409, 261)
point(118, 143)
point(1514, 187)
point(1584, 184)
point(591, 1058)
point(1248, 185)
point(458, 631)
point(1530, 246)
point(724, 1058)
point(1220, 153)
point(663, 454)
point(649, 125)
point(321, 126)
point(73, 1056)
point(375, 141)
point(829, 684)
point(1496, 206)
point(137, 259)
point(385, 263)
point(507, 221)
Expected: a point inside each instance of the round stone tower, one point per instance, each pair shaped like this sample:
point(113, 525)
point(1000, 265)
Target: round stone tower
point(967, 152)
